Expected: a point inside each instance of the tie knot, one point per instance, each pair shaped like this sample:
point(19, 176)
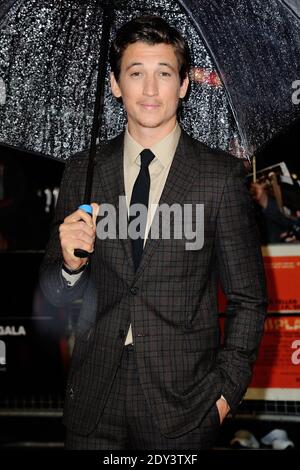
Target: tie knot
point(146, 158)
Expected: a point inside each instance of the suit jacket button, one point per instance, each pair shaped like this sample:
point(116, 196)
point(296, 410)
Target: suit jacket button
point(134, 290)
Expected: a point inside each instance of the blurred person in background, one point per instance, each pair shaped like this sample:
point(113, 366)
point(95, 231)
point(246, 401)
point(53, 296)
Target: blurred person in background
point(279, 226)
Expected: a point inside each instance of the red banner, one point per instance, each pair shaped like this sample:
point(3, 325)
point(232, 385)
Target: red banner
point(282, 268)
point(278, 362)
point(277, 369)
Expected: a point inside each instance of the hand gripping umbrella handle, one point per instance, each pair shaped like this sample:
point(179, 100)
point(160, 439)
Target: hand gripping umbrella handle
point(78, 252)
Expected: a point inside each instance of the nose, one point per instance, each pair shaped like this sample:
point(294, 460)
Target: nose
point(150, 86)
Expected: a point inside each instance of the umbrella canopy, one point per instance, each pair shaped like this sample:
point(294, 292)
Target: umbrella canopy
point(245, 58)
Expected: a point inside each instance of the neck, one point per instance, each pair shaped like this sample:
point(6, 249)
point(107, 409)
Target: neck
point(147, 137)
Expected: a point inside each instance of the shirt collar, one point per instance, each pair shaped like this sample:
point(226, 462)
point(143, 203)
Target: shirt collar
point(163, 150)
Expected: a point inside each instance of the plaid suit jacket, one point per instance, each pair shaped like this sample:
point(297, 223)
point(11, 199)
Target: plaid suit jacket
point(171, 301)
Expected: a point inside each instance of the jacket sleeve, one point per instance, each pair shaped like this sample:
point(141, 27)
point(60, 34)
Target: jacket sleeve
point(242, 277)
point(53, 284)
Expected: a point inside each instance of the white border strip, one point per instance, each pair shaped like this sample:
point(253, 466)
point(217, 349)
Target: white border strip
point(286, 394)
point(281, 250)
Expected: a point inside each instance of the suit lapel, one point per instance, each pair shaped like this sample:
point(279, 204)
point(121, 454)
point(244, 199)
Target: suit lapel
point(179, 180)
point(110, 176)
point(108, 171)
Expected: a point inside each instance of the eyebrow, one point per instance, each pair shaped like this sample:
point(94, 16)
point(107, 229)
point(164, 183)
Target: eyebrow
point(165, 64)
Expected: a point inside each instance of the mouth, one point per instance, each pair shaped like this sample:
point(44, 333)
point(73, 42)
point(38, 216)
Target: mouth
point(150, 106)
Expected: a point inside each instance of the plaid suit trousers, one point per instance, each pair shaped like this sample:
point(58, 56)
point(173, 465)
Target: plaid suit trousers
point(127, 422)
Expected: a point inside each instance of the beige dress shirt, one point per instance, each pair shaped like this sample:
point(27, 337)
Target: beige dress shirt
point(164, 152)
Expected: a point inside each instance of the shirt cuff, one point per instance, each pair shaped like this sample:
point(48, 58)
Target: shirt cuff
point(71, 278)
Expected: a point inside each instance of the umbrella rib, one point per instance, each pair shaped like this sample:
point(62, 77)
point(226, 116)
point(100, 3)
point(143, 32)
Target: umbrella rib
point(288, 6)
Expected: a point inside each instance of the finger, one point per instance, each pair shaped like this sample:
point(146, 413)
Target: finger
point(71, 244)
point(78, 215)
point(80, 245)
point(95, 208)
point(84, 234)
point(74, 227)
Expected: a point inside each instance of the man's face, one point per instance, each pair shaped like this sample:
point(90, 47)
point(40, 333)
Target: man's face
point(149, 85)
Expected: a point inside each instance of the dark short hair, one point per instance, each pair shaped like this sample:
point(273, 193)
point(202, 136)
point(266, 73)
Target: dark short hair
point(151, 30)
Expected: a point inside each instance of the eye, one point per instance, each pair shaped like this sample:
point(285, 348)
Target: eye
point(165, 74)
point(136, 74)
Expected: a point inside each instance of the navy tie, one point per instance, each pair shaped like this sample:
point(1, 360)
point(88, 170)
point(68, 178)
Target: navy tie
point(140, 195)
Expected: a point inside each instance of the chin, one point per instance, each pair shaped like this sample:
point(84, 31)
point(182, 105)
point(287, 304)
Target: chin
point(151, 124)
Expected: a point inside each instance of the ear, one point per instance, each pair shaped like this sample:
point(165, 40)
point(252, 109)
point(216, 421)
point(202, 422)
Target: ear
point(116, 91)
point(184, 87)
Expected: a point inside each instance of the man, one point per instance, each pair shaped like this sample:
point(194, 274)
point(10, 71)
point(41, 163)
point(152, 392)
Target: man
point(148, 370)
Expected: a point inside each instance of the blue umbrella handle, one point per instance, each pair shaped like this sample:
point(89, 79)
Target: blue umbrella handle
point(78, 252)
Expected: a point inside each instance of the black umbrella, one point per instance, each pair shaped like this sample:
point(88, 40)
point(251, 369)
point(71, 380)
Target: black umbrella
point(245, 55)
